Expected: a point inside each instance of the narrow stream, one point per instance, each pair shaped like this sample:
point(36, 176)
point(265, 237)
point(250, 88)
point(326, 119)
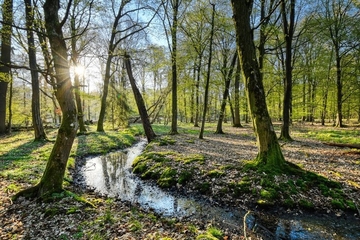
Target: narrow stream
point(111, 175)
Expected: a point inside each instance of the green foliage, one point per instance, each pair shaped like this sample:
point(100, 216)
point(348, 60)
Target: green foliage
point(135, 225)
point(211, 233)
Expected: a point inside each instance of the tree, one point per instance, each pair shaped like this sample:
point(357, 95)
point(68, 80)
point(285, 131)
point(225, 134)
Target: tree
point(340, 21)
point(228, 77)
point(173, 24)
point(35, 99)
point(150, 134)
point(5, 60)
point(78, 30)
point(118, 34)
point(269, 149)
point(194, 27)
point(237, 122)
point(288, 29)
point(52, 179)
point(201, 135)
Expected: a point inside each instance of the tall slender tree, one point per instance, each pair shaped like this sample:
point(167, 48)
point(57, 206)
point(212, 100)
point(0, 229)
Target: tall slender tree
point(5, 60)
point(288, 29)
point(228, 77)
point(35, 99)
point(269, 151)
point(201, 135)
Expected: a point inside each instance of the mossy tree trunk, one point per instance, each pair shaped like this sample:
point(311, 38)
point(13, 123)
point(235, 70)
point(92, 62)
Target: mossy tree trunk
point(52, 179)
point(5, 57)
point(269, 149)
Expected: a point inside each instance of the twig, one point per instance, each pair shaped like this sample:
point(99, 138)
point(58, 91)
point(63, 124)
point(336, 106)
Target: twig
point(248, 212)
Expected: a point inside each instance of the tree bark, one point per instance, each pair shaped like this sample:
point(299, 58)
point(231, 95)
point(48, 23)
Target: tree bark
point(35, 99)
point(201, 135)
point(237, 122)
point(269, 152)
point(225, 95)
point(150, 134)
point(5, 58)
point(339, 94)
point(174, 109)
point(52, 179)
point(75, 61)
point(288, 32)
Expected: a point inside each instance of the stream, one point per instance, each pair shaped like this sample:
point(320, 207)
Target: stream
point(110, 175)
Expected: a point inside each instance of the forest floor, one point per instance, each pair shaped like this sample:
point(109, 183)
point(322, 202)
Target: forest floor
point(219, 178)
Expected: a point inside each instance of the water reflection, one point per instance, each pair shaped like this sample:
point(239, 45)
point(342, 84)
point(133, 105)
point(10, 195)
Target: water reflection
point(111, 175)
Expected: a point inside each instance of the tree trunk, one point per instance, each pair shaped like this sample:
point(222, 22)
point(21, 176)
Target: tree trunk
point(174, 109)
point(5, 75)
point(112, 46)
point(52, 179)
point(11, 93)
point(201, 135)
point(339, 94)
point(35, 99)
point(288, 32)
point(225, 95)
point(150, 134)
point(197, 86)
point(75, 61)
point(237, 122)
point(269, 149)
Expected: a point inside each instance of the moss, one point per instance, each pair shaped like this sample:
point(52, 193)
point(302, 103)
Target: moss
point(193, 158)
point(241, 187)
point(264, 203)
point(268, 194)
point(72, 210)
point(288, 202)
point(185, 176)
point(306, 204)
point(140, 167)
point(211, 234)
point(337, 203)
point(215, 173)
point(204, 187)
point(351, 205)
point(153, 172)
point(164, 141)
point(50, 212)
point(135, 225)
point(167, 178)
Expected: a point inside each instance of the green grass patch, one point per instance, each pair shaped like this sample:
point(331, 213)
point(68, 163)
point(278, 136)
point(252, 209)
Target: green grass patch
point(334, 135)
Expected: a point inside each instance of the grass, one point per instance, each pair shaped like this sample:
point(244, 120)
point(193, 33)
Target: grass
point(23, 160)
point(333, 135)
